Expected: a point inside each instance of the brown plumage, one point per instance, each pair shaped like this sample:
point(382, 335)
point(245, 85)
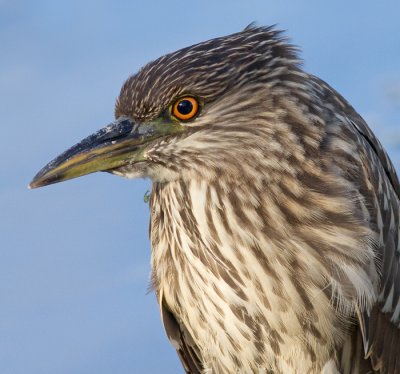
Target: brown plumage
point(274, 210)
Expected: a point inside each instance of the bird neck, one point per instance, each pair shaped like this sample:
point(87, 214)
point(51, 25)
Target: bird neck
point(201, 228)
point(217, 257)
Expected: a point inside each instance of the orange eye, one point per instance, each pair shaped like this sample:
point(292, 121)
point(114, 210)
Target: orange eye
point(185, 108)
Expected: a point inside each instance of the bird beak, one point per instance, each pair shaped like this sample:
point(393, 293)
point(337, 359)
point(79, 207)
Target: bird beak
point(120, 143)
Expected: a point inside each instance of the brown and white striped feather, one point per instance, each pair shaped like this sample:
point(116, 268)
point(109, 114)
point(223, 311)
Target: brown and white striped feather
point(274, 217)
point(291, 315)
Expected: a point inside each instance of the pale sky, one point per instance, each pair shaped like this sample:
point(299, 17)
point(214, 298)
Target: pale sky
point(74, 257)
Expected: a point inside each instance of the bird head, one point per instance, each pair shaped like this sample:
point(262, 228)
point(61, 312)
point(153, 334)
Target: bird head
point(205, 110)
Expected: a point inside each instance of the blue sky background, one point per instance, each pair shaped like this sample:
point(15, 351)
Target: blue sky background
point(74, 257)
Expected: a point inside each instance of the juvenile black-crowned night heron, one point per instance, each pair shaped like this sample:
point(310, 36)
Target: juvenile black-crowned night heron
point(274, 210)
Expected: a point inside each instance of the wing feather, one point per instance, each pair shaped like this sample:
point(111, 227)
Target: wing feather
point(180, 339)
point(380, 325)
point(379, 185)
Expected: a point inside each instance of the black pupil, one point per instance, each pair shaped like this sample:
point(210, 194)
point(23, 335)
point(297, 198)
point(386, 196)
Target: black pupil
point(185, 107)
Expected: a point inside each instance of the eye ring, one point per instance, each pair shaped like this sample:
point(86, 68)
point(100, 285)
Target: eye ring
point(185, 108)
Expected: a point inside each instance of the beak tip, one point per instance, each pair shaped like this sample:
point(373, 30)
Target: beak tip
point(33, 184)
point(40, 181)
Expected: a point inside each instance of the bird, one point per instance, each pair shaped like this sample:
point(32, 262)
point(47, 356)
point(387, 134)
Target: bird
point(274, 209)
